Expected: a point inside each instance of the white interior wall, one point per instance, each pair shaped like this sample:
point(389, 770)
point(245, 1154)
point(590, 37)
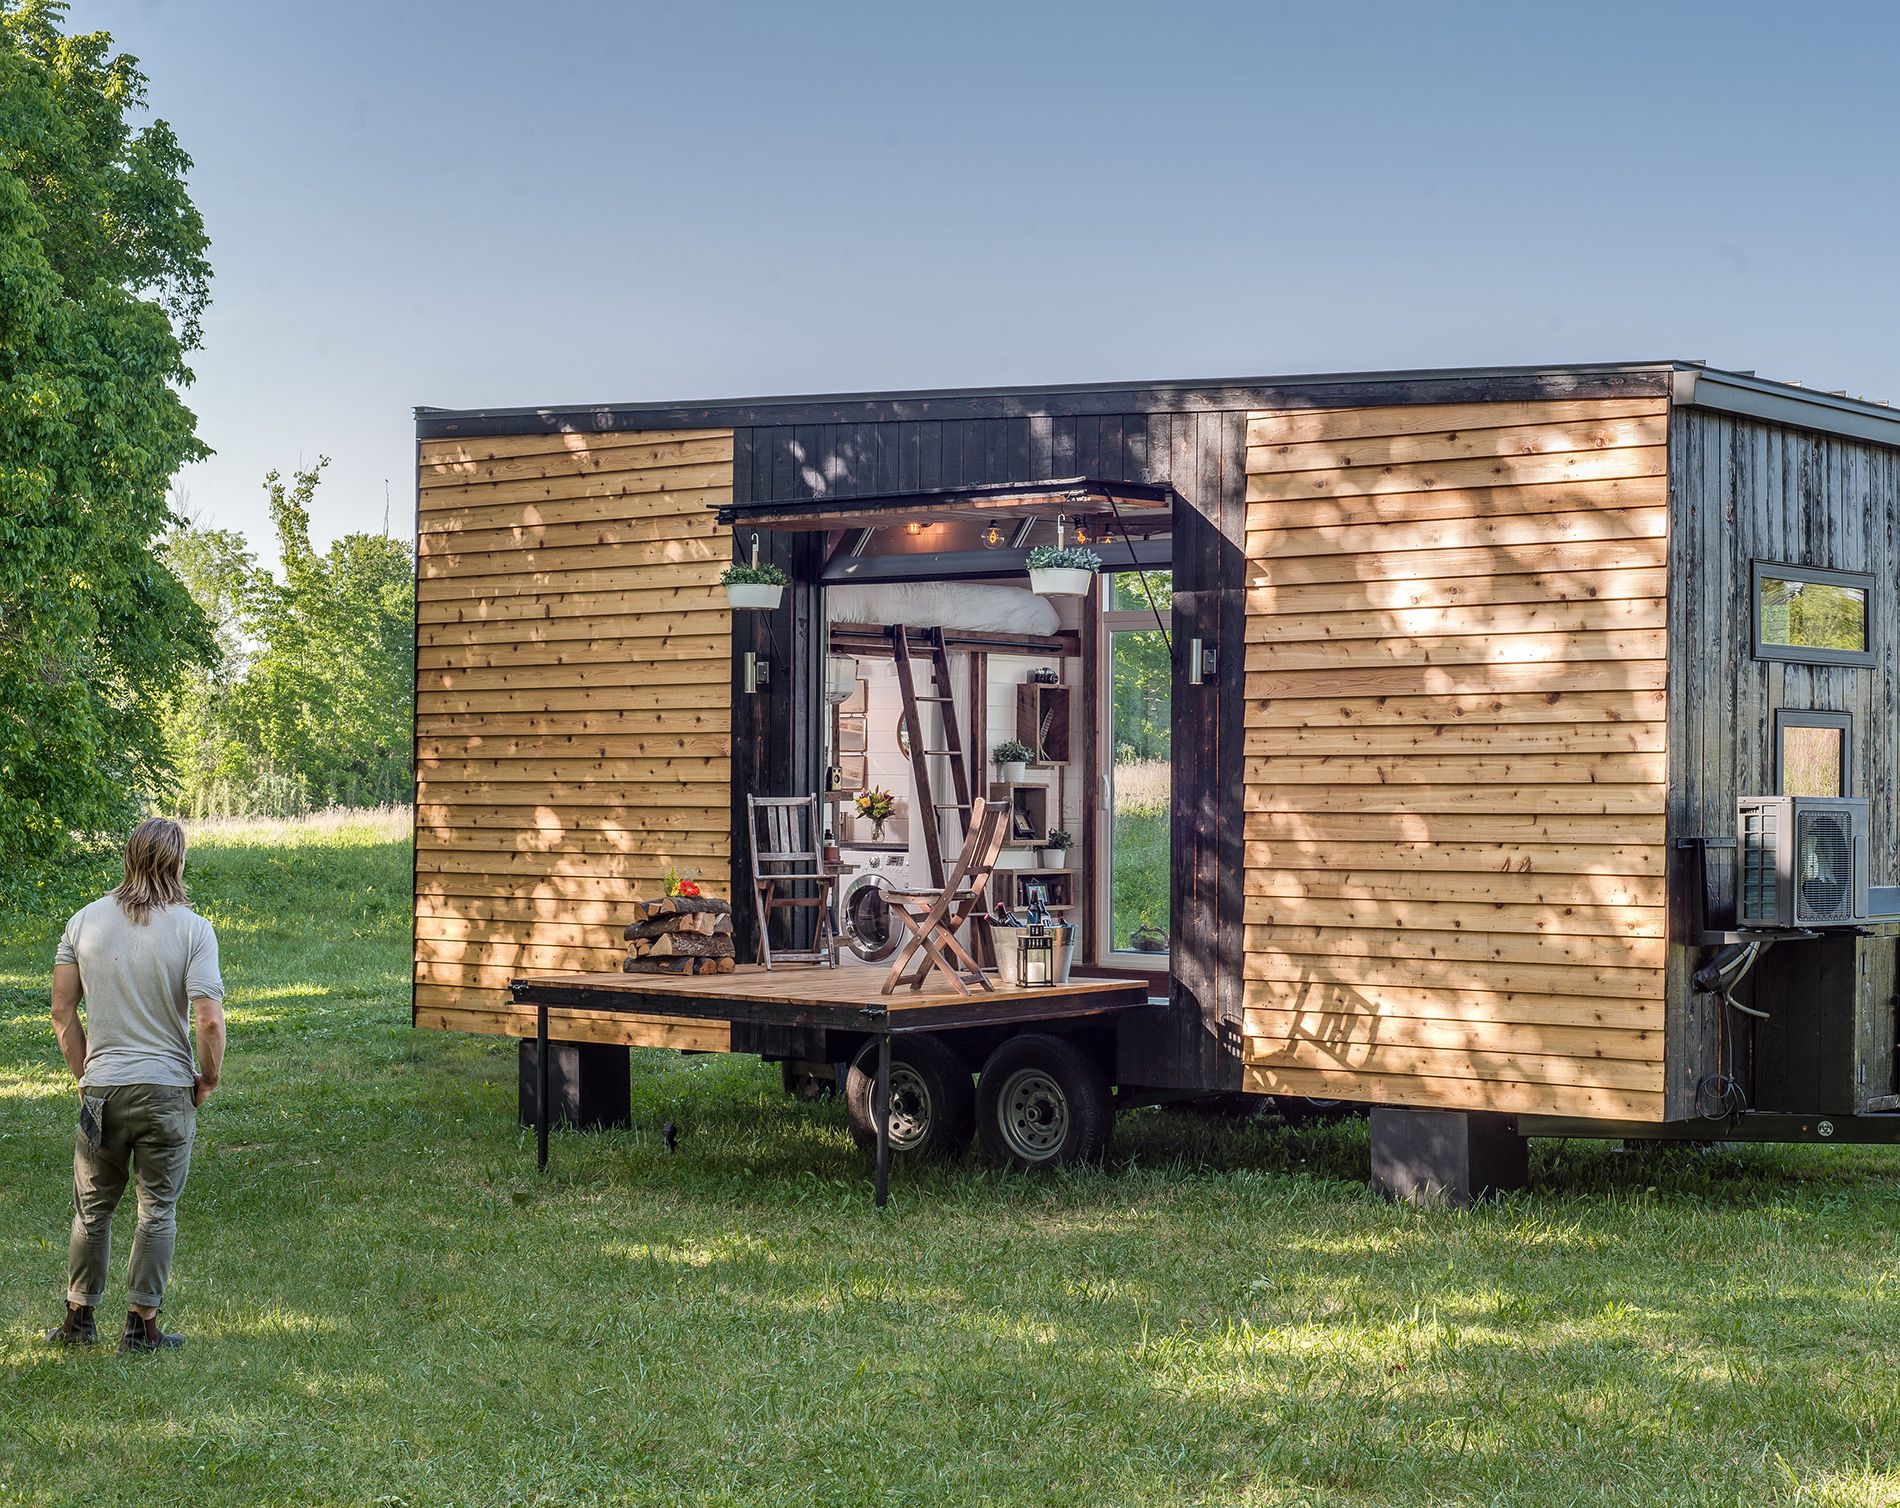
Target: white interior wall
point(887, 765)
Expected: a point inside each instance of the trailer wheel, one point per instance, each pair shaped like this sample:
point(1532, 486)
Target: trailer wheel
point(930, 1098)
point(1299, 1110)
point(1041, 1102)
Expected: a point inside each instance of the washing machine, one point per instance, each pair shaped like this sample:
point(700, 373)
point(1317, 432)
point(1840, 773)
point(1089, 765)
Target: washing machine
point(864, 918)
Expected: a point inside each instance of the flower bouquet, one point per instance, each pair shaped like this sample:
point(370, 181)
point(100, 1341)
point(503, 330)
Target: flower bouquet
point(876, 806)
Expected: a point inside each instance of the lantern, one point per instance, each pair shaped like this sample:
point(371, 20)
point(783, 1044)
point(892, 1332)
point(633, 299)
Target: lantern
point(1036, 956)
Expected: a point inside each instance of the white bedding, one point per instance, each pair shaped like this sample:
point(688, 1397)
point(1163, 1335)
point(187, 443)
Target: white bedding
point(976, 607)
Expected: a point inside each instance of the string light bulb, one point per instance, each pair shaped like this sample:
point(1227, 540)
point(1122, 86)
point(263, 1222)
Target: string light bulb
point(992, 536)
point(913, 528)
point(1081, 532)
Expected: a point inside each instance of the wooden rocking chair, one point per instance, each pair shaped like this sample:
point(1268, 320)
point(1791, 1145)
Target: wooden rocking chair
point(787, 855)
point(934, 916)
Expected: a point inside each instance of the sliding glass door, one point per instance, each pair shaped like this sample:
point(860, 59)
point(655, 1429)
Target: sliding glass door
point(1139, 767)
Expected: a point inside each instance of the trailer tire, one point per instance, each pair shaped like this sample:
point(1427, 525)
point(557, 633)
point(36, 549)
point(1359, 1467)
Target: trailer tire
point(930, 1098)
point(1299, 1110)
point(1042, 1102)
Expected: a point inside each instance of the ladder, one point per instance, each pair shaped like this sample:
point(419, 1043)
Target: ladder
point(933, 810)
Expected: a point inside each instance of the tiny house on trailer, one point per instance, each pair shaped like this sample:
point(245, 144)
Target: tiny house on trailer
point(1422, 740)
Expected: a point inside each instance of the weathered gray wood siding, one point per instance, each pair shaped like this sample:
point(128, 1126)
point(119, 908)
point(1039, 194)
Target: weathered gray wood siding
point(1742, 490)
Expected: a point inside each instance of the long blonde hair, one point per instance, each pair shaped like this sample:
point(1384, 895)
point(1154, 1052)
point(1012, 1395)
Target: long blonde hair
point(154, 868)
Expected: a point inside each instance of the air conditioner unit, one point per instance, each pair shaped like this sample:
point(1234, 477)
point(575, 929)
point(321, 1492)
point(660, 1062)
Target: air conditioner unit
point(1801, 861)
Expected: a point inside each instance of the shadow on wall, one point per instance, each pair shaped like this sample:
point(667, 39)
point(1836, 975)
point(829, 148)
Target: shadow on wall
point(1456, 779)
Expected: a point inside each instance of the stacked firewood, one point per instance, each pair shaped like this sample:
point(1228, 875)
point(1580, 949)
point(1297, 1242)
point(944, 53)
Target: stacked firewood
point(682, 934)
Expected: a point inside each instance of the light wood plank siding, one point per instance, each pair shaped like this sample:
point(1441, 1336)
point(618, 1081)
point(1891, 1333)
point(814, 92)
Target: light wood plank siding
point(1456, 764)
point(573, 712)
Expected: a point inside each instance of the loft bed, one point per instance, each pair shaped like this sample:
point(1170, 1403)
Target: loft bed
point(976, 616)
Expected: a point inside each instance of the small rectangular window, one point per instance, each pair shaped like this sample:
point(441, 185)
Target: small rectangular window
point(1812, 753)
point(1812, 616)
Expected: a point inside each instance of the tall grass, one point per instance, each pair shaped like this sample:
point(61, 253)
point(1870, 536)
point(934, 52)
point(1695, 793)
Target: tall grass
point(1140, 876)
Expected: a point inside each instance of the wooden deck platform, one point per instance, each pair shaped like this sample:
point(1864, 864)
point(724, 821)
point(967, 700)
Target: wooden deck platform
point(806, 996)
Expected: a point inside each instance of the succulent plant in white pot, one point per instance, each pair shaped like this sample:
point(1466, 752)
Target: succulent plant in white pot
point(1011, 758)
point(1062, 571)
point(1055, 849)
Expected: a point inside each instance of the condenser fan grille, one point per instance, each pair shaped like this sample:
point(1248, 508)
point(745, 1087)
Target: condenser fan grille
point(1824, 867)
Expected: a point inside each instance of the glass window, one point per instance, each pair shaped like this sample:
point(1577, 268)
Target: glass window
point(1809, 615)
point(1811, 753)
point(1140, 764)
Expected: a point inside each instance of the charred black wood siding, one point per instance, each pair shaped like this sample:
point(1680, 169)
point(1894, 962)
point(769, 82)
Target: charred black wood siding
point(1743, 490)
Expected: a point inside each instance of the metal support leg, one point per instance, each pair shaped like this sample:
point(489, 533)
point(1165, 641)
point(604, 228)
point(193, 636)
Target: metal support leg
point(883, 1117)
point(541, 1088)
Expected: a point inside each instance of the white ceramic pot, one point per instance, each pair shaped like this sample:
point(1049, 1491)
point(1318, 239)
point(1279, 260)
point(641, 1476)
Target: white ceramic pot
point(1012, 772)
point(753, 594)
point(1060, 581)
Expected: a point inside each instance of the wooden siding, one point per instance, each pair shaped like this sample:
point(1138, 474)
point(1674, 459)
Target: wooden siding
point(1456, 755)
point(1744, 490)
point(573, 712)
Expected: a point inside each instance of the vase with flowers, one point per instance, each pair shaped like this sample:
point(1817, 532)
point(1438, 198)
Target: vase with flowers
point(876, 806)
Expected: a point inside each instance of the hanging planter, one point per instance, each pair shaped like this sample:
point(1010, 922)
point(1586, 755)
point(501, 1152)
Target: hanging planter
point(753, 586)
point(1058, 572)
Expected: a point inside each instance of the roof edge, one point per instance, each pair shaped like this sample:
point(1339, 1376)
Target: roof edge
point(1748, 396)
point(1181, 385)
point(1688, 383)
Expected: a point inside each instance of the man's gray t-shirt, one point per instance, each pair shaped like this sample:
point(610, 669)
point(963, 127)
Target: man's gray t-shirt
point(139, 979)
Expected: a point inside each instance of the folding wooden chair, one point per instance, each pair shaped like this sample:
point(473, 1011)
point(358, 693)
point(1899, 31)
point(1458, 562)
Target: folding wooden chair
point(934, 916)
point(786, 854)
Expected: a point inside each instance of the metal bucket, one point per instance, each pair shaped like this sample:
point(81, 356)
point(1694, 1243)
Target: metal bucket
point(1009, 955)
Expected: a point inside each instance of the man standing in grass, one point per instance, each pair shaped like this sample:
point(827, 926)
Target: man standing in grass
point(145, 964)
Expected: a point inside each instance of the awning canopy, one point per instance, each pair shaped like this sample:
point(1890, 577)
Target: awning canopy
point(1140, 508)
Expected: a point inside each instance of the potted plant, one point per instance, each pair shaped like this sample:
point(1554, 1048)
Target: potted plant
point(1148, 938)
point(1057, 571)
point(1010, 757)
point(753, 586)
point(876, 806)
point(1055, 849)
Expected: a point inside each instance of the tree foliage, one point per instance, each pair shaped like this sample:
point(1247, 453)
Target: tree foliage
point(103, 282)
point(1141, 672)
point(310, 703)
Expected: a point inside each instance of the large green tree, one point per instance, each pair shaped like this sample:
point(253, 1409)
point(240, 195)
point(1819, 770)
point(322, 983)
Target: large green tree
point(309, 702)
point(103, 281)
point(216, 764)
point(329, 692)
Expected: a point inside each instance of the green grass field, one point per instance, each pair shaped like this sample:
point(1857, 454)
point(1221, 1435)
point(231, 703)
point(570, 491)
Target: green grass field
point(386, 1305)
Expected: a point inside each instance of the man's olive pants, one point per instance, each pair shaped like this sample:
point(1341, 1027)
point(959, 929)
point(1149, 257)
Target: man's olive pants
point(141, 1130)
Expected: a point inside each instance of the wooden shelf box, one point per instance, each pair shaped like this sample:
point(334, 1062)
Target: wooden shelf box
point(1036, 705)
point(1029, 807)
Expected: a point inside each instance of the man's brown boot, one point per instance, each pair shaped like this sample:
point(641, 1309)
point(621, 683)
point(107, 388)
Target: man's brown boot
point(80, 1329)
point(143, 1334)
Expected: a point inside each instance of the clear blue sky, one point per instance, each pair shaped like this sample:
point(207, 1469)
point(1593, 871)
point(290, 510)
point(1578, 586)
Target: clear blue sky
point(482, 204)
